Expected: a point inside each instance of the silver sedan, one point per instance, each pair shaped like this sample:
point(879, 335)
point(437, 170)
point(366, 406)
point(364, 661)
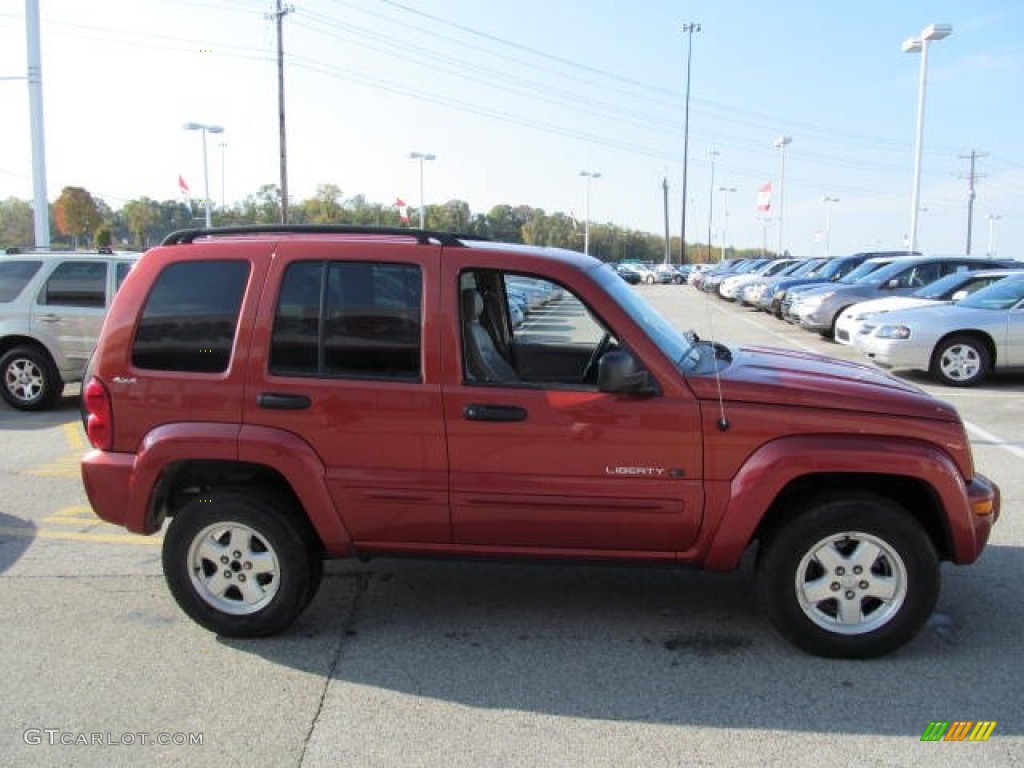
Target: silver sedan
point(959, 344)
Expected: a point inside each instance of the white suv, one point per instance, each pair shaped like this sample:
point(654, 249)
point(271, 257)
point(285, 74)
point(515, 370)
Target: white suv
point(52, 305)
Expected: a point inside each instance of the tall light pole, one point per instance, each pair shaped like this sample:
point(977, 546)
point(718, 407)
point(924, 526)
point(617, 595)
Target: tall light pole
point(688, 30)
point(588, 176)
point(992, 219)
point(223, 194)
point(206, 168)
point(712, 153)
point(725, 214)
point(828, 223)
point(422, 157)
point(780, 144)
point(920, 45)
point(40, 206)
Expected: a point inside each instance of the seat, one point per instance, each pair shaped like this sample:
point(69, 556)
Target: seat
point(483, 360)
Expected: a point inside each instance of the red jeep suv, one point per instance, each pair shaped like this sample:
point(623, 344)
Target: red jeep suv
point(290, 394)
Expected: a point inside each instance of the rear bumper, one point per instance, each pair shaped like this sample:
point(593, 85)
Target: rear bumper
point(108, 484)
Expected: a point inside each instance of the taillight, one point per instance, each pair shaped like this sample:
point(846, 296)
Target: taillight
point(99, 422)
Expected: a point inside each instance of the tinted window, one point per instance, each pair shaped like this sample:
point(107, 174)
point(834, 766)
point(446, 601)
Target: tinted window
point(14, 276)
point(76, 284)
point(351, 319)
point(190, 317)
point(122, 269)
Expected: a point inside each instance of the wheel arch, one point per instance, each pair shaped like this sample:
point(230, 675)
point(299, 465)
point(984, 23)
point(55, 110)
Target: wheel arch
point(778, 480)
point(973, 333)
point(181, 461)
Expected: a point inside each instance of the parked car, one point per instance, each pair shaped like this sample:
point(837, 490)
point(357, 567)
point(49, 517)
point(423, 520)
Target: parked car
point(817, 309)
point(753, 292)
point(52, 305)
point(630, 273)
point(959, 344)
point(668, 273)
point(833, 271)
point(730, 287)
point(944, 290)
point(288, 394)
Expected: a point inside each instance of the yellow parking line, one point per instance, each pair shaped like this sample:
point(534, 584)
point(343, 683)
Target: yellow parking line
point(73, 436)
point(99, 538)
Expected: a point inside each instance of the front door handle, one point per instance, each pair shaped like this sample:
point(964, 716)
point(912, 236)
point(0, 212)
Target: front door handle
point(478, 412)
point(283, 402)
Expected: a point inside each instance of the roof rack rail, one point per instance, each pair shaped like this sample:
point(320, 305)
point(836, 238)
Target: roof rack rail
point(423, 236)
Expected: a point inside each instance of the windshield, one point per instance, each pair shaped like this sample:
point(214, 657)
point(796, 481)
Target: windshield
point(864, 269)
point(672, 342)
point(941, 288)
point(1004, 294)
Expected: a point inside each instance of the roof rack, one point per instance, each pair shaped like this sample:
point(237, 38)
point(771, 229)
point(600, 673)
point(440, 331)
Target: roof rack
point(423, 236)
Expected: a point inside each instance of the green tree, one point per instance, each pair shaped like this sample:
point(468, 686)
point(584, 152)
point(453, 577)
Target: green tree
point(17, 227)
point(77, 214)
point(325, 206)
point(139, 216)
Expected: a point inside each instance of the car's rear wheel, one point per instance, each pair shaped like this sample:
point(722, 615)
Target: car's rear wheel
point(31, 381)
point(961, 361)
point(241, 564)
point(852, 576)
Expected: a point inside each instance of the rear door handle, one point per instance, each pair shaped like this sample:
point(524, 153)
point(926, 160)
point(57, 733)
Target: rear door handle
point(283, 402)
point(478, 412)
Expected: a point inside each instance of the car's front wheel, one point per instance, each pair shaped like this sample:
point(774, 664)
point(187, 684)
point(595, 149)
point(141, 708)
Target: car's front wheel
point(849, 576)
point(240, 563)
point(961, 361)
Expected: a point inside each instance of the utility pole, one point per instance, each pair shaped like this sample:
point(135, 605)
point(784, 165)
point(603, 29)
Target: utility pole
point(688, 30)
point(278, 18)
point(971, 176)
point(668, 242)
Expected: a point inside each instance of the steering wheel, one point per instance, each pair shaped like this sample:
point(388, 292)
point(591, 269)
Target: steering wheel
point(591, 367)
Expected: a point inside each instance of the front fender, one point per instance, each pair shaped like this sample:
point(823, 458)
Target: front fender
point(770, 469)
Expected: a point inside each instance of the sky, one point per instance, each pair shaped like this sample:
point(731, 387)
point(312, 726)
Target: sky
point(516, 99)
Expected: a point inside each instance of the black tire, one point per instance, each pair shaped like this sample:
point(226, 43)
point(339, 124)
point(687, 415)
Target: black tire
point(29, 381)
point(961, 361)
point(807, 577)
point(268, 572)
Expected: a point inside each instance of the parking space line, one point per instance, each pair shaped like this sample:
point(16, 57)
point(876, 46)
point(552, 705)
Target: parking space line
point(100, 538)
point(995, 440)
point(73, 436)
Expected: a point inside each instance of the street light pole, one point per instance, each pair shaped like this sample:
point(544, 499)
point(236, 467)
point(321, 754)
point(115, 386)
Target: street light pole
point(725, 214)
point(828, 224)
point(688, 29)
point(920, 45)
point(712, 153)
point(205, 129)
point(422, 157)
point(992, 219)
point(587, 177)
point(780, 144)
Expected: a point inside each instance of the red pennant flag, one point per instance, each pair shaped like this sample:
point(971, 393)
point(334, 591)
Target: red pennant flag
point(764, 197)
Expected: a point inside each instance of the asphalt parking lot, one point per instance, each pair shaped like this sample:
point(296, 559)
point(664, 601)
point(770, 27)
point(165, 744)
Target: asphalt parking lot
point(464, 664)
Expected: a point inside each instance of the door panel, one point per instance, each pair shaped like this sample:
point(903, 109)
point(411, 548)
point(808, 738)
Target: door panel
point(362, 396)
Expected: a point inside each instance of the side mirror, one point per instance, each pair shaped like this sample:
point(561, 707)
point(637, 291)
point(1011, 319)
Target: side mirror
point(618, 373)
point(958, 296)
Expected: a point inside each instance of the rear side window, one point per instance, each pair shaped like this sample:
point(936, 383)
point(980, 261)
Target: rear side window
point(190, 317)
point(14, 276)
point(76, 284)
point(348, 319)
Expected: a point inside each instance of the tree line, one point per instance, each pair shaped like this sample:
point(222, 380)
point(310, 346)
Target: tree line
point(78, 219)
